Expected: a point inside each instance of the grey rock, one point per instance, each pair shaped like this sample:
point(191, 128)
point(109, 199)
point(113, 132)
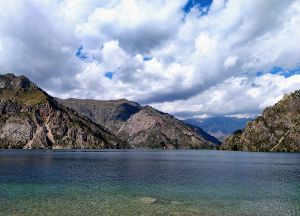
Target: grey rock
point(30, 118)
point(277, 129)
point(140, 126)
point(10, 81)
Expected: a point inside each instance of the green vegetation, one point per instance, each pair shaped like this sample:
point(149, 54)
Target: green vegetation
point(31, 97)
point(277, 130)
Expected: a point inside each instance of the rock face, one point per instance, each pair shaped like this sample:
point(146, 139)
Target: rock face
point(112, 113)
point(208, 137)
point(150, 128)
point(141, 126)
point(277, 129)
point(30, 118)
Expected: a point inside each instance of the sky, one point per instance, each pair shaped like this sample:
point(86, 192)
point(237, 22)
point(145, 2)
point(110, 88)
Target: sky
point(190, 58)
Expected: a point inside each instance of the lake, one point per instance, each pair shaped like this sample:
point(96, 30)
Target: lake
point(148, 182)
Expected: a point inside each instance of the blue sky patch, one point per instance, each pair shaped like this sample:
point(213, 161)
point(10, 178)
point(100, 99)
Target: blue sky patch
point(281, 71)
point(109, 74)
point(80, 54)
point(276, 70)
point(284, 72)
point(202, 5)
point(259, 73)
point(147, 58)
point(291, 72)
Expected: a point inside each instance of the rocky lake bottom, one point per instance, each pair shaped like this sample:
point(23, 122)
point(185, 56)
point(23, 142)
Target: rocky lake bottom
point(148, 182)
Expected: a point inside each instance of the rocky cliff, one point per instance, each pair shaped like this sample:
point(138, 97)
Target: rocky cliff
point(150, 128)
point(142, 126)
point(277, 129)
point(30, 118)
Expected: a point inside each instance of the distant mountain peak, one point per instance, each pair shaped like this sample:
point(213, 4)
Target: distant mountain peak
point(141, 126)
point(219, 126)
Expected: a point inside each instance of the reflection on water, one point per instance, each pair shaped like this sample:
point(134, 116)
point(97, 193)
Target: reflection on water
point(148, 183)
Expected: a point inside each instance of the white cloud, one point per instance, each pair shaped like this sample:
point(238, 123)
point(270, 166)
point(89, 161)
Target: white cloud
point(192, 56)
point(237, 96)
point(113, 56)
point(229, 62)
point(138, 25)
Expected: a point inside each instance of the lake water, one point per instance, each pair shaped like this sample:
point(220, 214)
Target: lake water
point(148, 183)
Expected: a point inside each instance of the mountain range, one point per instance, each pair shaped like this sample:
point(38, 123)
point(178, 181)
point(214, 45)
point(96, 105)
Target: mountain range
point(142, 126)
point(30, 118)
point(219, 126)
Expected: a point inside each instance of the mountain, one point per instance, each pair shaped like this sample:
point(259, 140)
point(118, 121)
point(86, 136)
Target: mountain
point(150, 128)
point(205, 135)
point(30, 118)
point(142, 126)
point(277, 129)
point(220, 126)
point(111, 113)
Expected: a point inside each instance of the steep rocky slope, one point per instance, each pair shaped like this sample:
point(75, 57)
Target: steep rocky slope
point(204, 135)
point(111, 113)
point(150, 128)
point(277, 129)
point(142, 127)
point(30, 118)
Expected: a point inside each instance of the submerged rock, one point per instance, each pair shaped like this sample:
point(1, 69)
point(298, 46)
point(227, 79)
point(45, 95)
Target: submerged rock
point(147, 200)
point(175, 202)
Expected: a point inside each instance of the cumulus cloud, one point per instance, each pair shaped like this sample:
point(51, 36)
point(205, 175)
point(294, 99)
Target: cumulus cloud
point(187, 62)
point(34, 43)
point(236, 95)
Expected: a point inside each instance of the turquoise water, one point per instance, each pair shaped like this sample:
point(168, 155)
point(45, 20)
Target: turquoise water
point(148, 183)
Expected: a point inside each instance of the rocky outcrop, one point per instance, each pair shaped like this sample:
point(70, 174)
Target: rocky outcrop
point(277, 129)
point(142, 126)
point(111, 113)
point(30, 118)
point(150, 128)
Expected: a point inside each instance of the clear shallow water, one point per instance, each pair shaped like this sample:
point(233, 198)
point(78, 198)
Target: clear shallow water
point(148, 183)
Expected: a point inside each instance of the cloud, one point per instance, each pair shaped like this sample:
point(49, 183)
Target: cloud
point(35, 44)
point(236, 95)
point(139, 26)
point(156, 51)
point(229, 62)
